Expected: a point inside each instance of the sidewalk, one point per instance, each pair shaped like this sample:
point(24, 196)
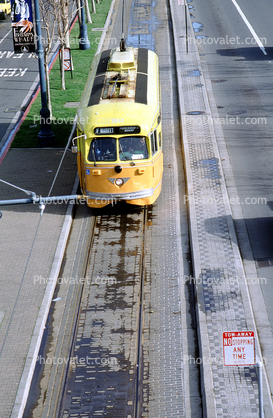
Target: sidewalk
point(222, 296)
point(28, 244)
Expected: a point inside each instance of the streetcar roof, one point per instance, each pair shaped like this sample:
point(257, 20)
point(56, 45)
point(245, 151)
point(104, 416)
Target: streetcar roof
point(122, 88)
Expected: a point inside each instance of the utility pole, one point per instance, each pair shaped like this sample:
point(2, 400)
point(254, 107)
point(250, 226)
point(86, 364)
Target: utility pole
point(84, 41)
point(45, 136)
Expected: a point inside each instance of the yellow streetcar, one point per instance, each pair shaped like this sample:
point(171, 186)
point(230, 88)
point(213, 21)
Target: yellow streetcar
point(119, 139)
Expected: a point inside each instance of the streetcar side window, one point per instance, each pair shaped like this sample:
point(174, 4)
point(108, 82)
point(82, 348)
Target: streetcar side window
point(159, 140)
point(154, 142)
point(133, 148)
point(103, 149)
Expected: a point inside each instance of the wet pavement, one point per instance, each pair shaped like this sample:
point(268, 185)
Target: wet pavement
point(101, 379)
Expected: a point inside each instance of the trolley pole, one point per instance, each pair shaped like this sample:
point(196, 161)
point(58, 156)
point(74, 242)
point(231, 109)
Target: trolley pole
point(84, 41)
point(45, 136)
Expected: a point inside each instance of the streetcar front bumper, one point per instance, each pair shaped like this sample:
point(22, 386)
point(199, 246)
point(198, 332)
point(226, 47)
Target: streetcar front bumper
point(115, 197)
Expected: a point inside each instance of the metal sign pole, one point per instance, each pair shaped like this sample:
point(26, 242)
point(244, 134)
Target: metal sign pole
point(239, 350)
point(259, 368)
point(186, 23)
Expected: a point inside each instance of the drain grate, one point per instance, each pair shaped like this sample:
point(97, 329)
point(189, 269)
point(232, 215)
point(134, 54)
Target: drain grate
point(264, 262)
point(12, 109)
point(237, 112)
point(218, 81)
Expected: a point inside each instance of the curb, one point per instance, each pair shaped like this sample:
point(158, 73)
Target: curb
point(207, 393)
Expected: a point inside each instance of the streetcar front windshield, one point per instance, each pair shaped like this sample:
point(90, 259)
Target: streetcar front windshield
point(103, 149)
point(133, 148)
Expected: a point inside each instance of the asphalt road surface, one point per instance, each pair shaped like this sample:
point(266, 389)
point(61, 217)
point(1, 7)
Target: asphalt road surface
point(18, 72)
point(235, 41)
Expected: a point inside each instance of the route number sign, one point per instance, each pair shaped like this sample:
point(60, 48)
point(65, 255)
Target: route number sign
point(239, 348)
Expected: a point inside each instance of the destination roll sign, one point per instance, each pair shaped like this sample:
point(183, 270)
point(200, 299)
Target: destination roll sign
point(117, 130)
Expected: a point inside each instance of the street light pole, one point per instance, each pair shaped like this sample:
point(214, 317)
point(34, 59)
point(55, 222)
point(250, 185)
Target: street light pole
point(45, 136)
point(84, 41)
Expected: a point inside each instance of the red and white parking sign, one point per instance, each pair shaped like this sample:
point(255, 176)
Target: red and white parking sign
point(181, 2)
point(239, 348)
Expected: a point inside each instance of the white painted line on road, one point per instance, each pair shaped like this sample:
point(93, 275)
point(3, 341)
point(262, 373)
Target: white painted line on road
point(256, 37)
point(12, 72)
point(5, 36)
point(2, 314)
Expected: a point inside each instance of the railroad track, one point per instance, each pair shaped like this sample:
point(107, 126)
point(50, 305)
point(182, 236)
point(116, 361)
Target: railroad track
point(103, 377)
point(104, 372)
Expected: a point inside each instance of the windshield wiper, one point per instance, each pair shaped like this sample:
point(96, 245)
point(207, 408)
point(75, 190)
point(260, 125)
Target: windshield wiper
point(125, 157)
point(94, 153)
point(121, 151)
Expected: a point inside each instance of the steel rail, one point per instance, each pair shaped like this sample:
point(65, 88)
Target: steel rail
point(136, 396)
point(78, 306)
point(141, 316)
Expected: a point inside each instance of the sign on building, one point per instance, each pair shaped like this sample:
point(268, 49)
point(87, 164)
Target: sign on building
point(239, 348)
point(22, 26)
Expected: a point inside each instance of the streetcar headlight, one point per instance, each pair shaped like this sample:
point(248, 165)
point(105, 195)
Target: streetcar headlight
point(119, 182)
